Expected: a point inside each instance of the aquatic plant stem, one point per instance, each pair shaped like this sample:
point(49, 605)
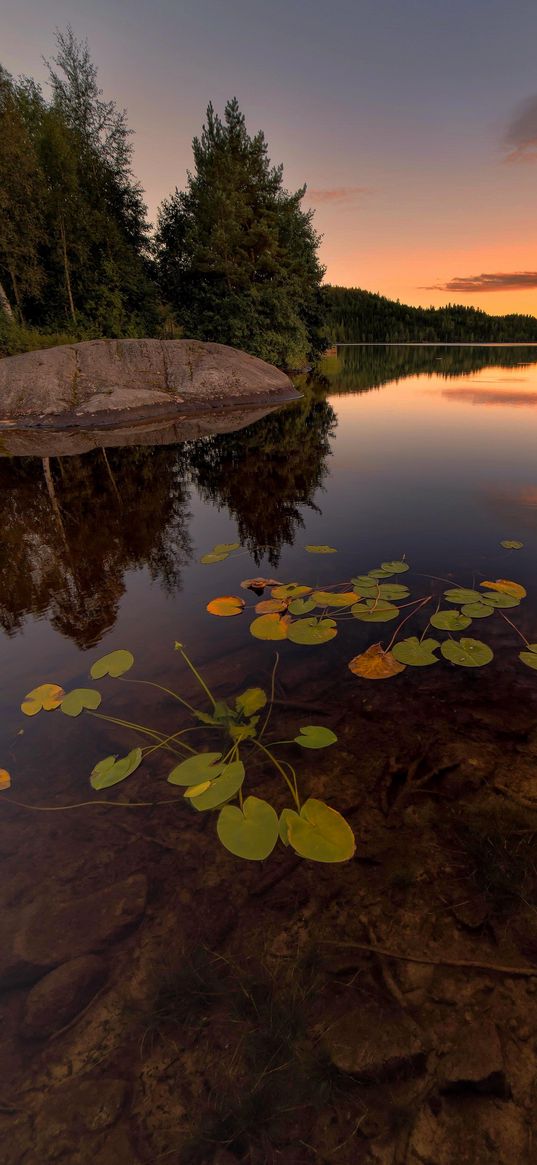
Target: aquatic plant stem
point(277, 765)
point(168, 691)
point(272, 693)
point(137, 728)
point(499, 968)
point(84, 804)
point(523, 637)
point(197, 675)
point(405, 620)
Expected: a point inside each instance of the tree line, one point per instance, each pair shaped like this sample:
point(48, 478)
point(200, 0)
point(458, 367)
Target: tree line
point(233, 256)
point(355, 316)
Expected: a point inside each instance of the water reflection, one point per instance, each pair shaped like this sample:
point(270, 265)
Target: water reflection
point(360, 369)
point(75, 525)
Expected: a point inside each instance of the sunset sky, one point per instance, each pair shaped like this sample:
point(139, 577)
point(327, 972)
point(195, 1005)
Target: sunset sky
point(413, 122)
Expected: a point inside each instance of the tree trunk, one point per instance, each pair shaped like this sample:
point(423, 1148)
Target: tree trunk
point(5, 305)
point(66, 270)
point(17, 296)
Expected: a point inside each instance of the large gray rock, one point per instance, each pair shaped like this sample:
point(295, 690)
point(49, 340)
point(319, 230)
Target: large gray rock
point(47, 934)
point(83, 383)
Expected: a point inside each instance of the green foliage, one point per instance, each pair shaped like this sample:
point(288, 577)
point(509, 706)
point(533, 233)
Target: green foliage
point(416, 652)
point(212, 779)
point(236, 254)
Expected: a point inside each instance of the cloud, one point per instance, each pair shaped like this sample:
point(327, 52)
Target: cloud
point(520, 138)
point(487, 397)
point(498, 281)
point(337, 193)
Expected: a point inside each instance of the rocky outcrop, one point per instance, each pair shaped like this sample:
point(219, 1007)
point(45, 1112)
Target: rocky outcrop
point(102, 380)
point(61, 995)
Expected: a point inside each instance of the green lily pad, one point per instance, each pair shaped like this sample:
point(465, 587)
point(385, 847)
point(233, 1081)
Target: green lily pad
point(272, 627)
point(463, 595)
point(375, 612)
point(318, 832)
point(466, 652)
point(312, 632)
point(363, 584)
point(290, 591)
point(115, 664)
point(381, 572)
point(301, 606)
point(201, 767)
point(112, 770)
point(315, 736)
point(395, 567)
point(250, 832)
point(222, 789)
point(450, 621)
point(416, 653)
point(393, 591)
point(477, 610)
point(208, 559)
point(250, 701)
point(74, 702)
point(510, 544)
point(225, 547)
point(529, 657)
point(321, 549)
point(500, 599)
point(333, 599)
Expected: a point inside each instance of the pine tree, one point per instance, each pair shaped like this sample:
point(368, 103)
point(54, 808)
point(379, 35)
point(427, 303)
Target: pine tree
point(237, 256)
point(21, 206)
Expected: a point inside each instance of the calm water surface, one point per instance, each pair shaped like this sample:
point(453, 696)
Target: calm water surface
point(428, 453)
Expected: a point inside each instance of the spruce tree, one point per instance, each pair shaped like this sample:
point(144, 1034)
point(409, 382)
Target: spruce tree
point(237, 255)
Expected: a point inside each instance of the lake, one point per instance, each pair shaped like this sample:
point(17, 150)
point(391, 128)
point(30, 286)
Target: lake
point(421, 456)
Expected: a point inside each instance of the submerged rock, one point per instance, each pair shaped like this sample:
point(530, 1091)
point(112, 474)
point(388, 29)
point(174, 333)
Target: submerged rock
point(46, 935)
point(61, 995)
point(80, 384)
point(372, 1044)
point(474, 1062)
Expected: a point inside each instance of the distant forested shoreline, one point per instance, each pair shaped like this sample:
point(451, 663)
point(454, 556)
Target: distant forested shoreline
point(355, 316)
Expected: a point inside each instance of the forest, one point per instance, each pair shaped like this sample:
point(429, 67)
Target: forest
point(233, 257)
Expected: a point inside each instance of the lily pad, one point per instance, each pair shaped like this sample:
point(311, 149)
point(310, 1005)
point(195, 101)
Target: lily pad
point(111, 770)
point(258, 584)
point(334, 598)
point(225, 547)
point(364, 585)
point(375, 664)
point(315, 736)
point(507, 586)
point(375, 612)
point(45, 698)
point(75, 702)
point(477, 611)
point(395, 567)
point(319, 833)
point(273, 627)
point(115, 664)
point(393, 591)
point(208, 559)
point(463, 595)
point(217, 792)
point(321, 549)
point(467, 652)
point(416, 653)
point(5, 780)
point(301, 606)
point(203, 766)
point(500, 599)
point(312, 632)
point(511, 544)
point(226, 605)
point(291, 591)
point(271, 606)
point(250, 832)
point(529, 657)
point(450, 621)
point(251, 701)
point(381, 572)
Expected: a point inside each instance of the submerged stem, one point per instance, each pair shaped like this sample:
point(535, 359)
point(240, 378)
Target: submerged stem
point(272, 691)
point(199, 678)
point(152, 684)
point(282, 772)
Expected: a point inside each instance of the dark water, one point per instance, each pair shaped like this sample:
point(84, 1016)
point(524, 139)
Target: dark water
point(428, 453)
